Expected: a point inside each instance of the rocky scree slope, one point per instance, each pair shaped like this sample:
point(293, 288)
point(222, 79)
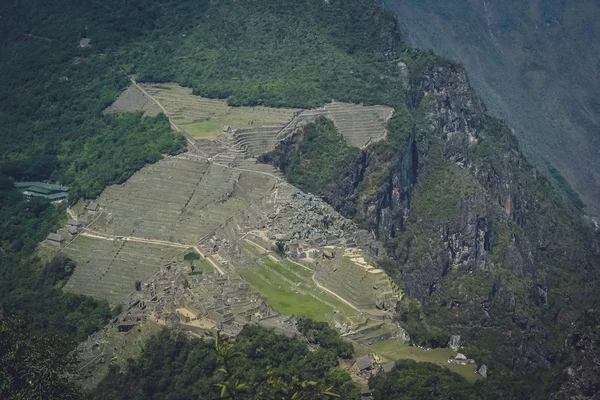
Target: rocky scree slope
point(481, 243)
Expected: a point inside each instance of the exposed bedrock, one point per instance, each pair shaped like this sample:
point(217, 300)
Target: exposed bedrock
point(493, 246)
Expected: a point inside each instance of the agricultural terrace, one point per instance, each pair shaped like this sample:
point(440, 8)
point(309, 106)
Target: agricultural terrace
point(360, 125)
point(177, 200)
point(291, 289)
point(204, 118)
point(355, 280)
point(256, 129)
point(108, 269)
point(133, 99)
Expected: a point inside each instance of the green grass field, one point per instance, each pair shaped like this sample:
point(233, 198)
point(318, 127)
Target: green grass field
point(290, 290)
point(204, 118)
point(392, 350)
point(202, 266)
point(203, 129)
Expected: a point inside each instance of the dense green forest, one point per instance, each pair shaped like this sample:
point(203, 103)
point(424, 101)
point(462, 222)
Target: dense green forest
point(259, 364)
point(320, 157)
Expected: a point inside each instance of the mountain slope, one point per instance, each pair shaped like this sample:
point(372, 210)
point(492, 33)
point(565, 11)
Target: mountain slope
point(482, 244)
point(536, 65)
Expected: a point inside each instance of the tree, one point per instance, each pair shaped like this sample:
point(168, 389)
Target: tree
point(274, 387)
point(30, 367)
point(280, 248)
point(191, 257)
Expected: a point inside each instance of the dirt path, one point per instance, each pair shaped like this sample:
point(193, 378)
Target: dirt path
point(97, 235)
point(334, 294)
point(214, 264)
point(72, 213)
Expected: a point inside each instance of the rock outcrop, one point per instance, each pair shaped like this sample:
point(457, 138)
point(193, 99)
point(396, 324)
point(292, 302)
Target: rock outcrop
point(470, 229)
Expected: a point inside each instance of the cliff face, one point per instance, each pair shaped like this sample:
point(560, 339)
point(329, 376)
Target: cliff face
point(469, 228)
point(535, 65)
point(509, 253)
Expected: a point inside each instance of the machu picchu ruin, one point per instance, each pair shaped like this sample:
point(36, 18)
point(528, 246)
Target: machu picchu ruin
point(263, 251)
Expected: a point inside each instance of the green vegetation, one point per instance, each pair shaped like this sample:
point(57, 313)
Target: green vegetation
point(320, 156)
point(31, 366)
point(203, 130)
point(392, 350)
point(324, 55)
point(30, 286)
point(412, 380)
point(322, 334)
point(283, 298)
point(191, 258)
point(260, 364)
point(202, 267)
point(280, 248)
point(290, 290)
point(440, 191)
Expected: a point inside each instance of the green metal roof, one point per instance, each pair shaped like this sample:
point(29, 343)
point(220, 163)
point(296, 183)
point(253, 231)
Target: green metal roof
point(39, 189)
point(49, 186)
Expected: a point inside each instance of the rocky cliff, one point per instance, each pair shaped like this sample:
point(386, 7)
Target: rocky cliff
point(478, 239)
point(535, 64)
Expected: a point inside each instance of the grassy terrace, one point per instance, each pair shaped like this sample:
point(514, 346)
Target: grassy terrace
point(178, 201)
point(133, 99)
point(204, 118)
point(391, 350)
point(358, 124)
point(108, 269)
point(257, 127)
point(354, 282)
point(290, 290)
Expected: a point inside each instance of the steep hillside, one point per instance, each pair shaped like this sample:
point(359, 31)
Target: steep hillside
point(536, 65)
point(482, 244)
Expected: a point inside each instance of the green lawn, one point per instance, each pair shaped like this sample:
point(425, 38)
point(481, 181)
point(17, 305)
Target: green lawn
point(267, 279)
point(302, 271)
point(202, 266)
point(280, 296)
point(392, 350)
point(203, 130)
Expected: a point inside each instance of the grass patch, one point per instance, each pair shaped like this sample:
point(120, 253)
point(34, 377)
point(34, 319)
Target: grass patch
point(392, 350)
point(286, 272)
point(202, 267)
point(304, 272)
point(316, 161)
point(292, 294)
point(281, 297)
point(203, 130)
point(437, 197)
